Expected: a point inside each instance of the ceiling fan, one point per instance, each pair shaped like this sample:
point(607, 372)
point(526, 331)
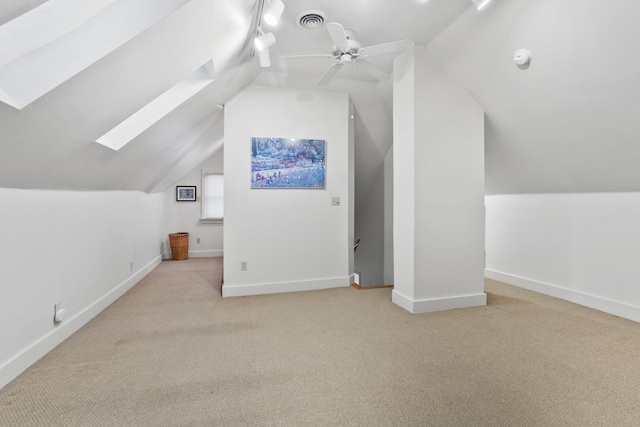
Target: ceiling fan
point(349, 51)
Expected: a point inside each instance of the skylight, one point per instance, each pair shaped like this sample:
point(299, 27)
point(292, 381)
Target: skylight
point(51, 43)
point(44, 24)
point(151, 113)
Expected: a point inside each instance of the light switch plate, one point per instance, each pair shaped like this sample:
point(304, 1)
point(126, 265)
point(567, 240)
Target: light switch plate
point(335, 201)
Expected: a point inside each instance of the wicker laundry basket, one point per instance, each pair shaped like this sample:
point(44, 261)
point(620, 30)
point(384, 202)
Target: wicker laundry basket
point(179, 246)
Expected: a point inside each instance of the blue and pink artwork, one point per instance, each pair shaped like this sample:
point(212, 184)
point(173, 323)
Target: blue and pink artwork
point(287, 163)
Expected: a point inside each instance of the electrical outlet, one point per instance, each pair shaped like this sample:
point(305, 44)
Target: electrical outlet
point(197, 240)
point(243, 265)
point(58, 313)
point(131, 266)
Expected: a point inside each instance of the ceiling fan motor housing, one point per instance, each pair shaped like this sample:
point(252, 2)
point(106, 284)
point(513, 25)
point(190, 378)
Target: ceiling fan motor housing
point(353, 51)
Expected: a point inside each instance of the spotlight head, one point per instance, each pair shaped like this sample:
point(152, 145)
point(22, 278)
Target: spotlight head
point(273, 12)
point(264, 41)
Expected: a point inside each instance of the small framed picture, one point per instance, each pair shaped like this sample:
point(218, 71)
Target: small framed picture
point(185, 193)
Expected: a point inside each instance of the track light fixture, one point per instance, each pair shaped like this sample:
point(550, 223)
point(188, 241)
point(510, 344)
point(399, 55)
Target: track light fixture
point(264, 41)
point(273, 12)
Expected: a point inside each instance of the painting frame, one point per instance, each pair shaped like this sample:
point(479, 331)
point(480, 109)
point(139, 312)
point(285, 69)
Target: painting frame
point(288, 163)
point(186, 193)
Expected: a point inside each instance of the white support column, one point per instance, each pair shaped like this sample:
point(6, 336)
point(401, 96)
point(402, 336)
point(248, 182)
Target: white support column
point(438, 188)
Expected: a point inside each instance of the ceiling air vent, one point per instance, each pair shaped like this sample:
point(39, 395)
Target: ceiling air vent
point(311, 19)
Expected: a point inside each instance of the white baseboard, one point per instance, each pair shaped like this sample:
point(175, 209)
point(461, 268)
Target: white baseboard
point(438, 304)
point(206, 254)
point(276, 288)
point(18, 364)
point(199, 254)
point(612, 307)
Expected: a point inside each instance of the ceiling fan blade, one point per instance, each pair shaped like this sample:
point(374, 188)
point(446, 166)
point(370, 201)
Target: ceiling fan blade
point(384, 48)
point(316, 55)
point(329, 73)
point(371, 69)
point(336, 31)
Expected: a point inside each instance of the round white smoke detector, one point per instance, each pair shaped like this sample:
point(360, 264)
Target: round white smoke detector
point(311, 19)
point(522, 57)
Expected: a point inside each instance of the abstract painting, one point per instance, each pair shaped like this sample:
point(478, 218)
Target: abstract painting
point(288, 163)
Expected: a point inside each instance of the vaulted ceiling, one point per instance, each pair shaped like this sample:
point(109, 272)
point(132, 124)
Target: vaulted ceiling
point(51, 142)
point(567, 123)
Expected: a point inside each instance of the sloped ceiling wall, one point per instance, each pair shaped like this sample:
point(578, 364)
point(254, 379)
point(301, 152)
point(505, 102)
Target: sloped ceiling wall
point(50, 143)
point(569, 123)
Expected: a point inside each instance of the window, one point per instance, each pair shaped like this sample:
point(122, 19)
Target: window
point(212, 196)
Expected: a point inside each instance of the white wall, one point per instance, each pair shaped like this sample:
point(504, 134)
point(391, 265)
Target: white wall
point(185, 216)
point(580, 247)
point(373, 131)
point(388, 218)
point(80, 249)
point(373, 139)
point(369, 228)
point(438, 188)
point(374, 226)
point(404, 183)
point(291, 239)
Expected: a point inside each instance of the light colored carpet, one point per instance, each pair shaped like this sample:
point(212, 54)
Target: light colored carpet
point(172, 352)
